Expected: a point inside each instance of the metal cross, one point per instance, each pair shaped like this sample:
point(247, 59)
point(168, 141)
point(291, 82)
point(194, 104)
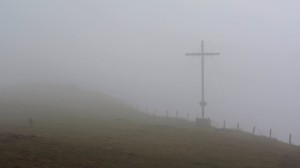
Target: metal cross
point(202, 54)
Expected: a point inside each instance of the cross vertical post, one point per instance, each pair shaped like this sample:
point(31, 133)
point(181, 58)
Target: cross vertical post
point(202, 54)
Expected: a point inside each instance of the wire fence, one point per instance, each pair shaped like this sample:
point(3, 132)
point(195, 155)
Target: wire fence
point(254, 130)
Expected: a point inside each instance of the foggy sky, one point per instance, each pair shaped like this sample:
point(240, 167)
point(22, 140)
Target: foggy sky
point(135, 50)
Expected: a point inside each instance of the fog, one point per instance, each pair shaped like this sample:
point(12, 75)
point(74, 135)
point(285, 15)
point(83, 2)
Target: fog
point(135, 51)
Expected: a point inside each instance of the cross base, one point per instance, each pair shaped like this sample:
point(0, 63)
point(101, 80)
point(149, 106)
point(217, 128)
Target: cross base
point(203, 122)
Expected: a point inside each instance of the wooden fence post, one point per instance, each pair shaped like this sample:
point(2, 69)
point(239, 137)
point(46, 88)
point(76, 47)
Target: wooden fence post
point(238, 126)
point(224, 124)
point(290, 139)
point(253, 131)
point(270, 134)
point(30, 122)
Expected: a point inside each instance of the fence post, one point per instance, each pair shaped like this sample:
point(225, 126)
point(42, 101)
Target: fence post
point(30, 122)
point(253, 131)
point(270, 134)
point(224, 125)
point(238, 126)
point(290, 139)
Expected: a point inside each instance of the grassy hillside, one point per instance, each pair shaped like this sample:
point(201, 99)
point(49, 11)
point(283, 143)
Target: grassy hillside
point(75, 128)
point(43, 101)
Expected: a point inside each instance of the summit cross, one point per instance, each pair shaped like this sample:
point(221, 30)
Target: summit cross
point(202, 54)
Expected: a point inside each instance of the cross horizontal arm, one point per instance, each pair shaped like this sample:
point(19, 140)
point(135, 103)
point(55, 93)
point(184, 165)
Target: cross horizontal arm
point(201, 54)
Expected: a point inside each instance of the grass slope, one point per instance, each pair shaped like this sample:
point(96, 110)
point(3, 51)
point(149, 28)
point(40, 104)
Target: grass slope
point(65, 139)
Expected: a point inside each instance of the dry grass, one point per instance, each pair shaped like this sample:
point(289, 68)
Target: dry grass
point(126, 143)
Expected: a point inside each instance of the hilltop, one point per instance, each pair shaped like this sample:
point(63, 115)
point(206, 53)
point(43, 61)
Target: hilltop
point(78, 128)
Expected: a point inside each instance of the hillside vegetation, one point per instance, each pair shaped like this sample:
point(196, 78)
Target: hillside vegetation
point(77, 128)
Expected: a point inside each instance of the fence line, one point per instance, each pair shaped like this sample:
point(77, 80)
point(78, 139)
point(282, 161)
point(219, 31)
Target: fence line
point(255, 131)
